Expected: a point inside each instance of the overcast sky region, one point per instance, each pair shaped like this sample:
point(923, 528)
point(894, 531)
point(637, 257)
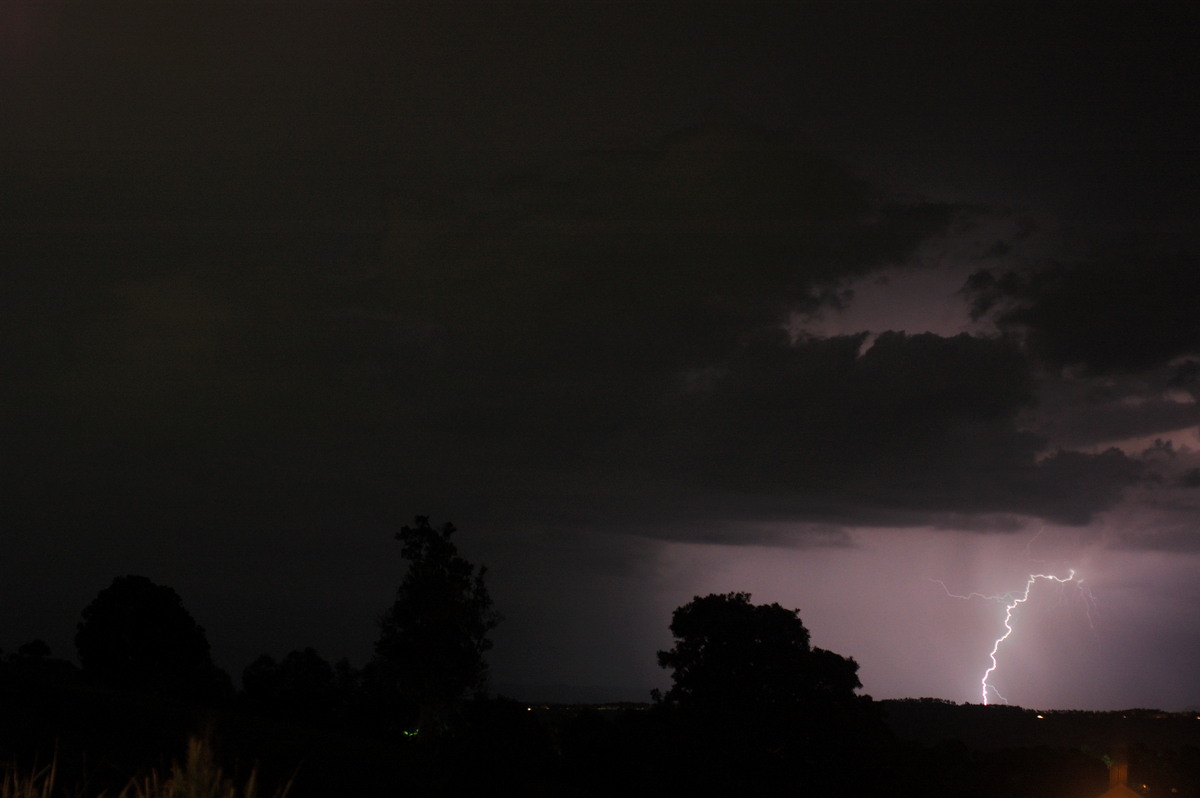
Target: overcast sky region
point(860, 307)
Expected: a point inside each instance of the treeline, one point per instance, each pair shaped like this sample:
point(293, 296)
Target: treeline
point(137, 636)
point(753, 709)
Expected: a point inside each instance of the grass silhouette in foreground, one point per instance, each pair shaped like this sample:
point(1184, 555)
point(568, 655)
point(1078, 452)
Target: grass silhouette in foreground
point(38, 784)
point(199, 777)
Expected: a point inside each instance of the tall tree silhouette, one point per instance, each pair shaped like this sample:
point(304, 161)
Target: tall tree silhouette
point(433, 638)
point(137, 635)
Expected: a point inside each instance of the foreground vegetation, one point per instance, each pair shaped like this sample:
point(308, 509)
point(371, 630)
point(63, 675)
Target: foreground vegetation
point(72, 739)
point(76, 741)
point(198, 777)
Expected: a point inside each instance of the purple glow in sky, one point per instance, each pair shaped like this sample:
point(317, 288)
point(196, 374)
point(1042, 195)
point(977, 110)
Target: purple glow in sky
point(817, 301)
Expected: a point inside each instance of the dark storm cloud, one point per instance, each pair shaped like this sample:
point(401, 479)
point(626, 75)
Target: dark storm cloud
point(448, 78)
point(653, 260)
point(916, 427)
point(1079, 410)
point(1111, 316)
point(597, 340)
point(319, 264)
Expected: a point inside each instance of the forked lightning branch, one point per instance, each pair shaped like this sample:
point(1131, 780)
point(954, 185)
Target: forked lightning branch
point(1012, 601)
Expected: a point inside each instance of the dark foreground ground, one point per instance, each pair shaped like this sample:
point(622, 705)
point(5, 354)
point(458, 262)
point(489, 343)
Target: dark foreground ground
point(100, 738)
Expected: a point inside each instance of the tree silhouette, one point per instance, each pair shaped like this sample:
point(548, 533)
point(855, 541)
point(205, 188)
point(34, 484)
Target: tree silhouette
point(750, 693)
point(33, 665)
point(433, 638)
point(137, 635)
point(731, 653)
point(34, 649)
point(301, 687)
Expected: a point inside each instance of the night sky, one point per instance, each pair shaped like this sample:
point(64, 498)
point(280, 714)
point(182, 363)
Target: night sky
point(851, 306)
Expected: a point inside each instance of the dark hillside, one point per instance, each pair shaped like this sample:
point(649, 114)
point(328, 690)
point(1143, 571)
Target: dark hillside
point(930, 721)
point(1033, 750)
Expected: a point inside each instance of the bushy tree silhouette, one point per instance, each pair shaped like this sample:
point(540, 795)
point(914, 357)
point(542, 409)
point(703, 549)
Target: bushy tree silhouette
point(730, 653)
point(750, 694)
point(433, 638)
point(137, 635)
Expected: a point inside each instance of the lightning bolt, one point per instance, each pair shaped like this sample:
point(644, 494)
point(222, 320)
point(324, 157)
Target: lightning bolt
point(1011, 601)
